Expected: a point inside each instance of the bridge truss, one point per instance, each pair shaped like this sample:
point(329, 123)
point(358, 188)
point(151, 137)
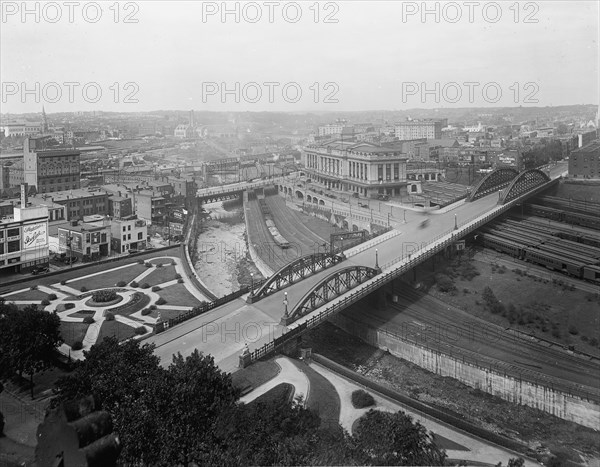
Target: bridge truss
point(524, 183)
point(329, 288)
point(494, 181)
point(295, 272)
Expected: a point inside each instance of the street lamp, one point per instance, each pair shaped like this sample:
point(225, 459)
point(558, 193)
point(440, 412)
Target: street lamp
point(251, 284)
point(455, 223)
point(285, 318)
point(69, 242)
point(376, 258)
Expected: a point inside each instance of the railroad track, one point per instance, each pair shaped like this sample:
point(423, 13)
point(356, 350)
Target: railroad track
point(522, 356)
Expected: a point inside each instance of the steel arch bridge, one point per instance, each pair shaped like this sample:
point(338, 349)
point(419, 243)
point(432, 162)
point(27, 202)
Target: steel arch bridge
point(524, 183)
point(495, 180)
point(330, 287)
point(294, 272)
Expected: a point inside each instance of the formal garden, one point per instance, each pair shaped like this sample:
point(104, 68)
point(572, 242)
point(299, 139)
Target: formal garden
point(125, 301)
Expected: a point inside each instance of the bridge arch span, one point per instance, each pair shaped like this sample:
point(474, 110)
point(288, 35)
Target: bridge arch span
point(494, 181)
point(523, 183)
point(295, 272)
point(332, 286)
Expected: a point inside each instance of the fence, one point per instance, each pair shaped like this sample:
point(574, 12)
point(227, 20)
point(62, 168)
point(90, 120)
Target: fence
point(203, 308)
point(438, 244)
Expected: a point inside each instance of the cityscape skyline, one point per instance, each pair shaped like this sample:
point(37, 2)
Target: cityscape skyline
point(443, 56)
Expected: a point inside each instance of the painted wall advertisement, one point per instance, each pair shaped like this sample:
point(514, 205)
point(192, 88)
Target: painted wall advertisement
point(35, 235)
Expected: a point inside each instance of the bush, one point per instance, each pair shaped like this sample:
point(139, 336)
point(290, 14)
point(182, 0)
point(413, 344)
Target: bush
point(78, 345)
point(146, 311)
point(573, 330)
point(594, 342)
point(88, 320)
point(148, 265)
point(444, 283)
point(152, 307)
point(69, 306)
point(156, 288)
point(121, 284)
point(45, 302)
point(83, 289)
point(33, 287)
point(134, 284)
point(52, 296)
point(140, 261)
point(362, 399)
point(159, 265)
point(102, 296)
point(173, 263)
point(145, 285)
point(140, 331)
point(109, 316)
point(177, 276)
point(180, 281)
point(161, 301)
point(63, 282)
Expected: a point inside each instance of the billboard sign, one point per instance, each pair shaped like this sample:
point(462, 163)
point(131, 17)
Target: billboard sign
point(35, 235)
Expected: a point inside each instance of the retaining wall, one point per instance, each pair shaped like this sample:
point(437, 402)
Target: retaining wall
point(265, 270)
point(512, 389)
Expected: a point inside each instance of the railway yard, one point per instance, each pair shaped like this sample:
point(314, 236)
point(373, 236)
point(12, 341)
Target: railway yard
point(299, 233)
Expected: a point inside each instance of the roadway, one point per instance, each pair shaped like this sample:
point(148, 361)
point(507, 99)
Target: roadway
point(222, 332)
point(258, 323)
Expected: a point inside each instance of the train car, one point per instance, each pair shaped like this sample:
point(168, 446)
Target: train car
point(555, 262)
point(501, 245)
point(281, 242)
point(592, 273)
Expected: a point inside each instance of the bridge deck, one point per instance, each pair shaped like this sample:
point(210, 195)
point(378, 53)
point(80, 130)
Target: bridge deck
point(223, 331)
point(236, 323)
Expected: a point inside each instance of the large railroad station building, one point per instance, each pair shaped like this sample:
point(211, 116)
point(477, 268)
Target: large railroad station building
point(361, 168)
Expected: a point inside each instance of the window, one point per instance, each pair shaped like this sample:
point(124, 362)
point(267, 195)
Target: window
point(13, 232)
point(129, 237)
point(1, 248)
point(140, 235)
point(380, 172)
point(129, 227)
point(13, 246)
point(124, 237)
point(388, 172)
point(123, 228)
point(103, 238)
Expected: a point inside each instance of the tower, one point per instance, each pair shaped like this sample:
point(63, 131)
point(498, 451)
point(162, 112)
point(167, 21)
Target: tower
point(44, 121)
point(192, 119)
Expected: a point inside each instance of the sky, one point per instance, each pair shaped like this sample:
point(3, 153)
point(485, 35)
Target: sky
point(296, 56)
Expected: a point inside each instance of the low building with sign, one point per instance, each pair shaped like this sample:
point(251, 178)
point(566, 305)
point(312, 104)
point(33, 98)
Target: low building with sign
point(24, 239)
point(85, 241)
point(128, 234)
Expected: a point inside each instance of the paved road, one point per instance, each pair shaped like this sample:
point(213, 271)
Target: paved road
point(222, 332)
point(258, 323)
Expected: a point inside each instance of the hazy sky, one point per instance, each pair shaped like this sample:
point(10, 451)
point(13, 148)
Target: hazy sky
point(365, 55)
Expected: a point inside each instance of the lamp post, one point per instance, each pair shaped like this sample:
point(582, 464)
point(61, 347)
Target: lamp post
point(455, 223)
point(285, 318)
point(376, 258)
point(251, 284)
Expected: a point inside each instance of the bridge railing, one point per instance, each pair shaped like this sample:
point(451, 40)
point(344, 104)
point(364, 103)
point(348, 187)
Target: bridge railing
point(431, 248)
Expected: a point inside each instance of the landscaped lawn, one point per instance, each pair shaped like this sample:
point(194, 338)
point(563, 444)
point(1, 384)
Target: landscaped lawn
point(73, 332)
point(83, 313)
point(27, 295)
point(109, 279)
point(131, 307)
point(323, 398)
point(178, 295)
point(256, 374)
point(160, 275)
point(115, 329)
point(280, 394)
point(163, 261)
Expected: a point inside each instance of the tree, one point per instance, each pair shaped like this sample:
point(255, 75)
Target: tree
point(393, 439)
point(28, 340)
